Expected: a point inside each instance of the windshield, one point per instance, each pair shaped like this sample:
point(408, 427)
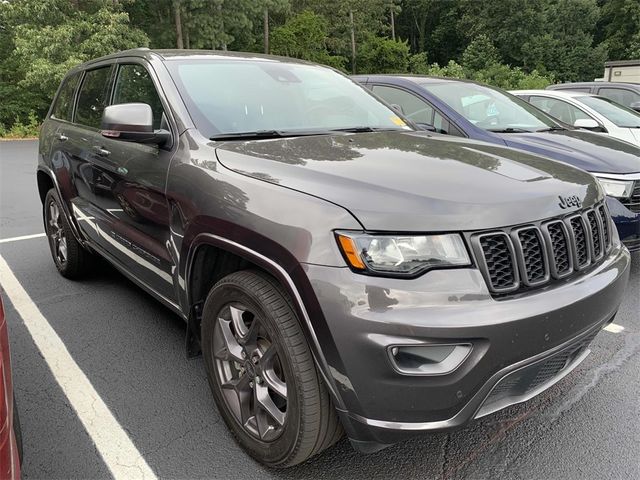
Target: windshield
point(227, 96)
point(621, 116)
point(489, 108)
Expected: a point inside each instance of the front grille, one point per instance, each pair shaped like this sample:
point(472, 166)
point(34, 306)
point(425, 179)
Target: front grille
point(560, 251)
point(522, 382)
point(535, 265)
point(521, 258)
point(499, 259)
point(633, 203)
point(596, 238)
point(580, 241)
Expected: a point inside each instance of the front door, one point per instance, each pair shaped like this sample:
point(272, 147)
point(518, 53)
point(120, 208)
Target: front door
point(130, 191)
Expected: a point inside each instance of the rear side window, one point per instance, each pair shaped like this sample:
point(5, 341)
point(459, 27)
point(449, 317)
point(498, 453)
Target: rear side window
point(135, 85)
point(559, 109)
point(620, 95)
point(63, 107)
point(92, 98)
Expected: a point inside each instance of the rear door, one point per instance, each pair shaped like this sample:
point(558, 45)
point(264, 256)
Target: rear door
point(79, 141)
point(130, 180)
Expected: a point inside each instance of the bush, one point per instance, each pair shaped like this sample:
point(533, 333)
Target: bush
point(382, 55)
point(22, 130)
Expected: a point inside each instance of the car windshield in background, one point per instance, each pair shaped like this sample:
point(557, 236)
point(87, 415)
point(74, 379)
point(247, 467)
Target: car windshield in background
point(237, 98)
point(622, 116)
point(490, 109)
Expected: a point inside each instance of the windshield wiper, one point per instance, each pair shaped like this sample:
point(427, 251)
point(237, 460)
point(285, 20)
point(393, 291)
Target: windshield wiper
point(366, 129)
point(508, 130)
point(249, 135)
point(555, 128)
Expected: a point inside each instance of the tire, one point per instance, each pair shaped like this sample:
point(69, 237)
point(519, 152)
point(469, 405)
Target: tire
point(252, 308)
point(71, 258)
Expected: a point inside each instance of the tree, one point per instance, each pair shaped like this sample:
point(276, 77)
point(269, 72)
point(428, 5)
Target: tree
point(480, 53)
point(567, 48)
point(305, 36)
point(383, 55)
point(48, 38)
point(619, 27)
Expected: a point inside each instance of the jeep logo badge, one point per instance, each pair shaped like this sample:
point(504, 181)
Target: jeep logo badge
point(569, 201)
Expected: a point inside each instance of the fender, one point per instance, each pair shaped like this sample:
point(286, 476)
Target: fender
point(287, 281)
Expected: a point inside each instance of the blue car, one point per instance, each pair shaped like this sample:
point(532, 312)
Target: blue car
point(480, 112)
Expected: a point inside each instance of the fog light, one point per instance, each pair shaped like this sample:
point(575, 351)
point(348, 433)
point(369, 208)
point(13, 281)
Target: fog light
point(435, 359)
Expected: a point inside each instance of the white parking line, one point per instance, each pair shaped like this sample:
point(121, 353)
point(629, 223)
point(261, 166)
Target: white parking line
point(614, 328)
point(24, 237)
point(112, 442)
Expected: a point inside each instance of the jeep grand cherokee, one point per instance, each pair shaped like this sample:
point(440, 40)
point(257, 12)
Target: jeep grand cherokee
point(339, 270)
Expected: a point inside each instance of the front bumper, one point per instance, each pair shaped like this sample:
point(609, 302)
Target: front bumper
point(627, 223)
point(365, 315)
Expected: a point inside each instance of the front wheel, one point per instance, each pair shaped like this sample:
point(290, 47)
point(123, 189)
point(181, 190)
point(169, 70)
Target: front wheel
point(262, 373)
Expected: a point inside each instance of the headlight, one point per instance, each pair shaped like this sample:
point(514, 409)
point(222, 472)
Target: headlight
point(405, 255)
point(616, 188)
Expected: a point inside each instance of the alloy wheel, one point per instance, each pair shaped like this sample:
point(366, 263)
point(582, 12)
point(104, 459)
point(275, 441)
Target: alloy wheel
point(250, 373)
point(56, 234)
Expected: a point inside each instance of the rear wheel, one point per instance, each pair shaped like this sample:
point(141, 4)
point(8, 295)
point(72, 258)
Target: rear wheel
point(70, 258)
point(262, 373)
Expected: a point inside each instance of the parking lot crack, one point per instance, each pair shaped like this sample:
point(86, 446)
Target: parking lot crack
point(630, 349)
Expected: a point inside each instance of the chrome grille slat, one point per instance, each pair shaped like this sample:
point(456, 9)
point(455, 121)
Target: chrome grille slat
point(518, 258)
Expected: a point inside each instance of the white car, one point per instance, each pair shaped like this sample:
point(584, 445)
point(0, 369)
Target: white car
point(584, 110)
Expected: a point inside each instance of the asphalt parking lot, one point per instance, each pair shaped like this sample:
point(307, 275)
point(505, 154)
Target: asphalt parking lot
point(131, 349)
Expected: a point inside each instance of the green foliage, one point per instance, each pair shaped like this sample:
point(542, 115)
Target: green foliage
point(304, 36)
point(480, 53)
point(508, 43)
point(48, 38)
point(383, 55)
point(22, 130)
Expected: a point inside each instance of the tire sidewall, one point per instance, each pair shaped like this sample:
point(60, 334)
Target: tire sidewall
point(278, 450)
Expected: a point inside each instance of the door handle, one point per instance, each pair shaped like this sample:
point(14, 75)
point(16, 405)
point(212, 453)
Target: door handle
point(101, 151)
point(62, 137)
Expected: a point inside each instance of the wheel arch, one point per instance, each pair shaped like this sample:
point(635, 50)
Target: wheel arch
point(47, 180)
point(229, 256)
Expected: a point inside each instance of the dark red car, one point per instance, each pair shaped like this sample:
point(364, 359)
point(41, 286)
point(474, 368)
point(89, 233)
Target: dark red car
point(10, 435)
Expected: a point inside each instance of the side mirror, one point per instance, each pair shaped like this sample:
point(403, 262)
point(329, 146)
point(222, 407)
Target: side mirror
point(588, 124)
point(426, 127)
point(397, 108)
point(132, 122)
point(635, 106)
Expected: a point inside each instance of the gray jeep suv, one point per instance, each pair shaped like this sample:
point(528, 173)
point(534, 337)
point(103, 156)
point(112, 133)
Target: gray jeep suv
point(338, 270)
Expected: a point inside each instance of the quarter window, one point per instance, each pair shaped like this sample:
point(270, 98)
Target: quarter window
point(93, 97)
point(412, 107)
point(63, 107)
point(134, 84)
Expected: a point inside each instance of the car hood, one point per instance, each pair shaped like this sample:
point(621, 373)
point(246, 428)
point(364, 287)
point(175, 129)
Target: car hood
point(410, 181)
point(587, 150)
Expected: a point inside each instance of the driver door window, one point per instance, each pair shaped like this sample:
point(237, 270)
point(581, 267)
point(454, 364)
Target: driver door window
point(559, 109)
point(412, 107)
point(134, 85)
